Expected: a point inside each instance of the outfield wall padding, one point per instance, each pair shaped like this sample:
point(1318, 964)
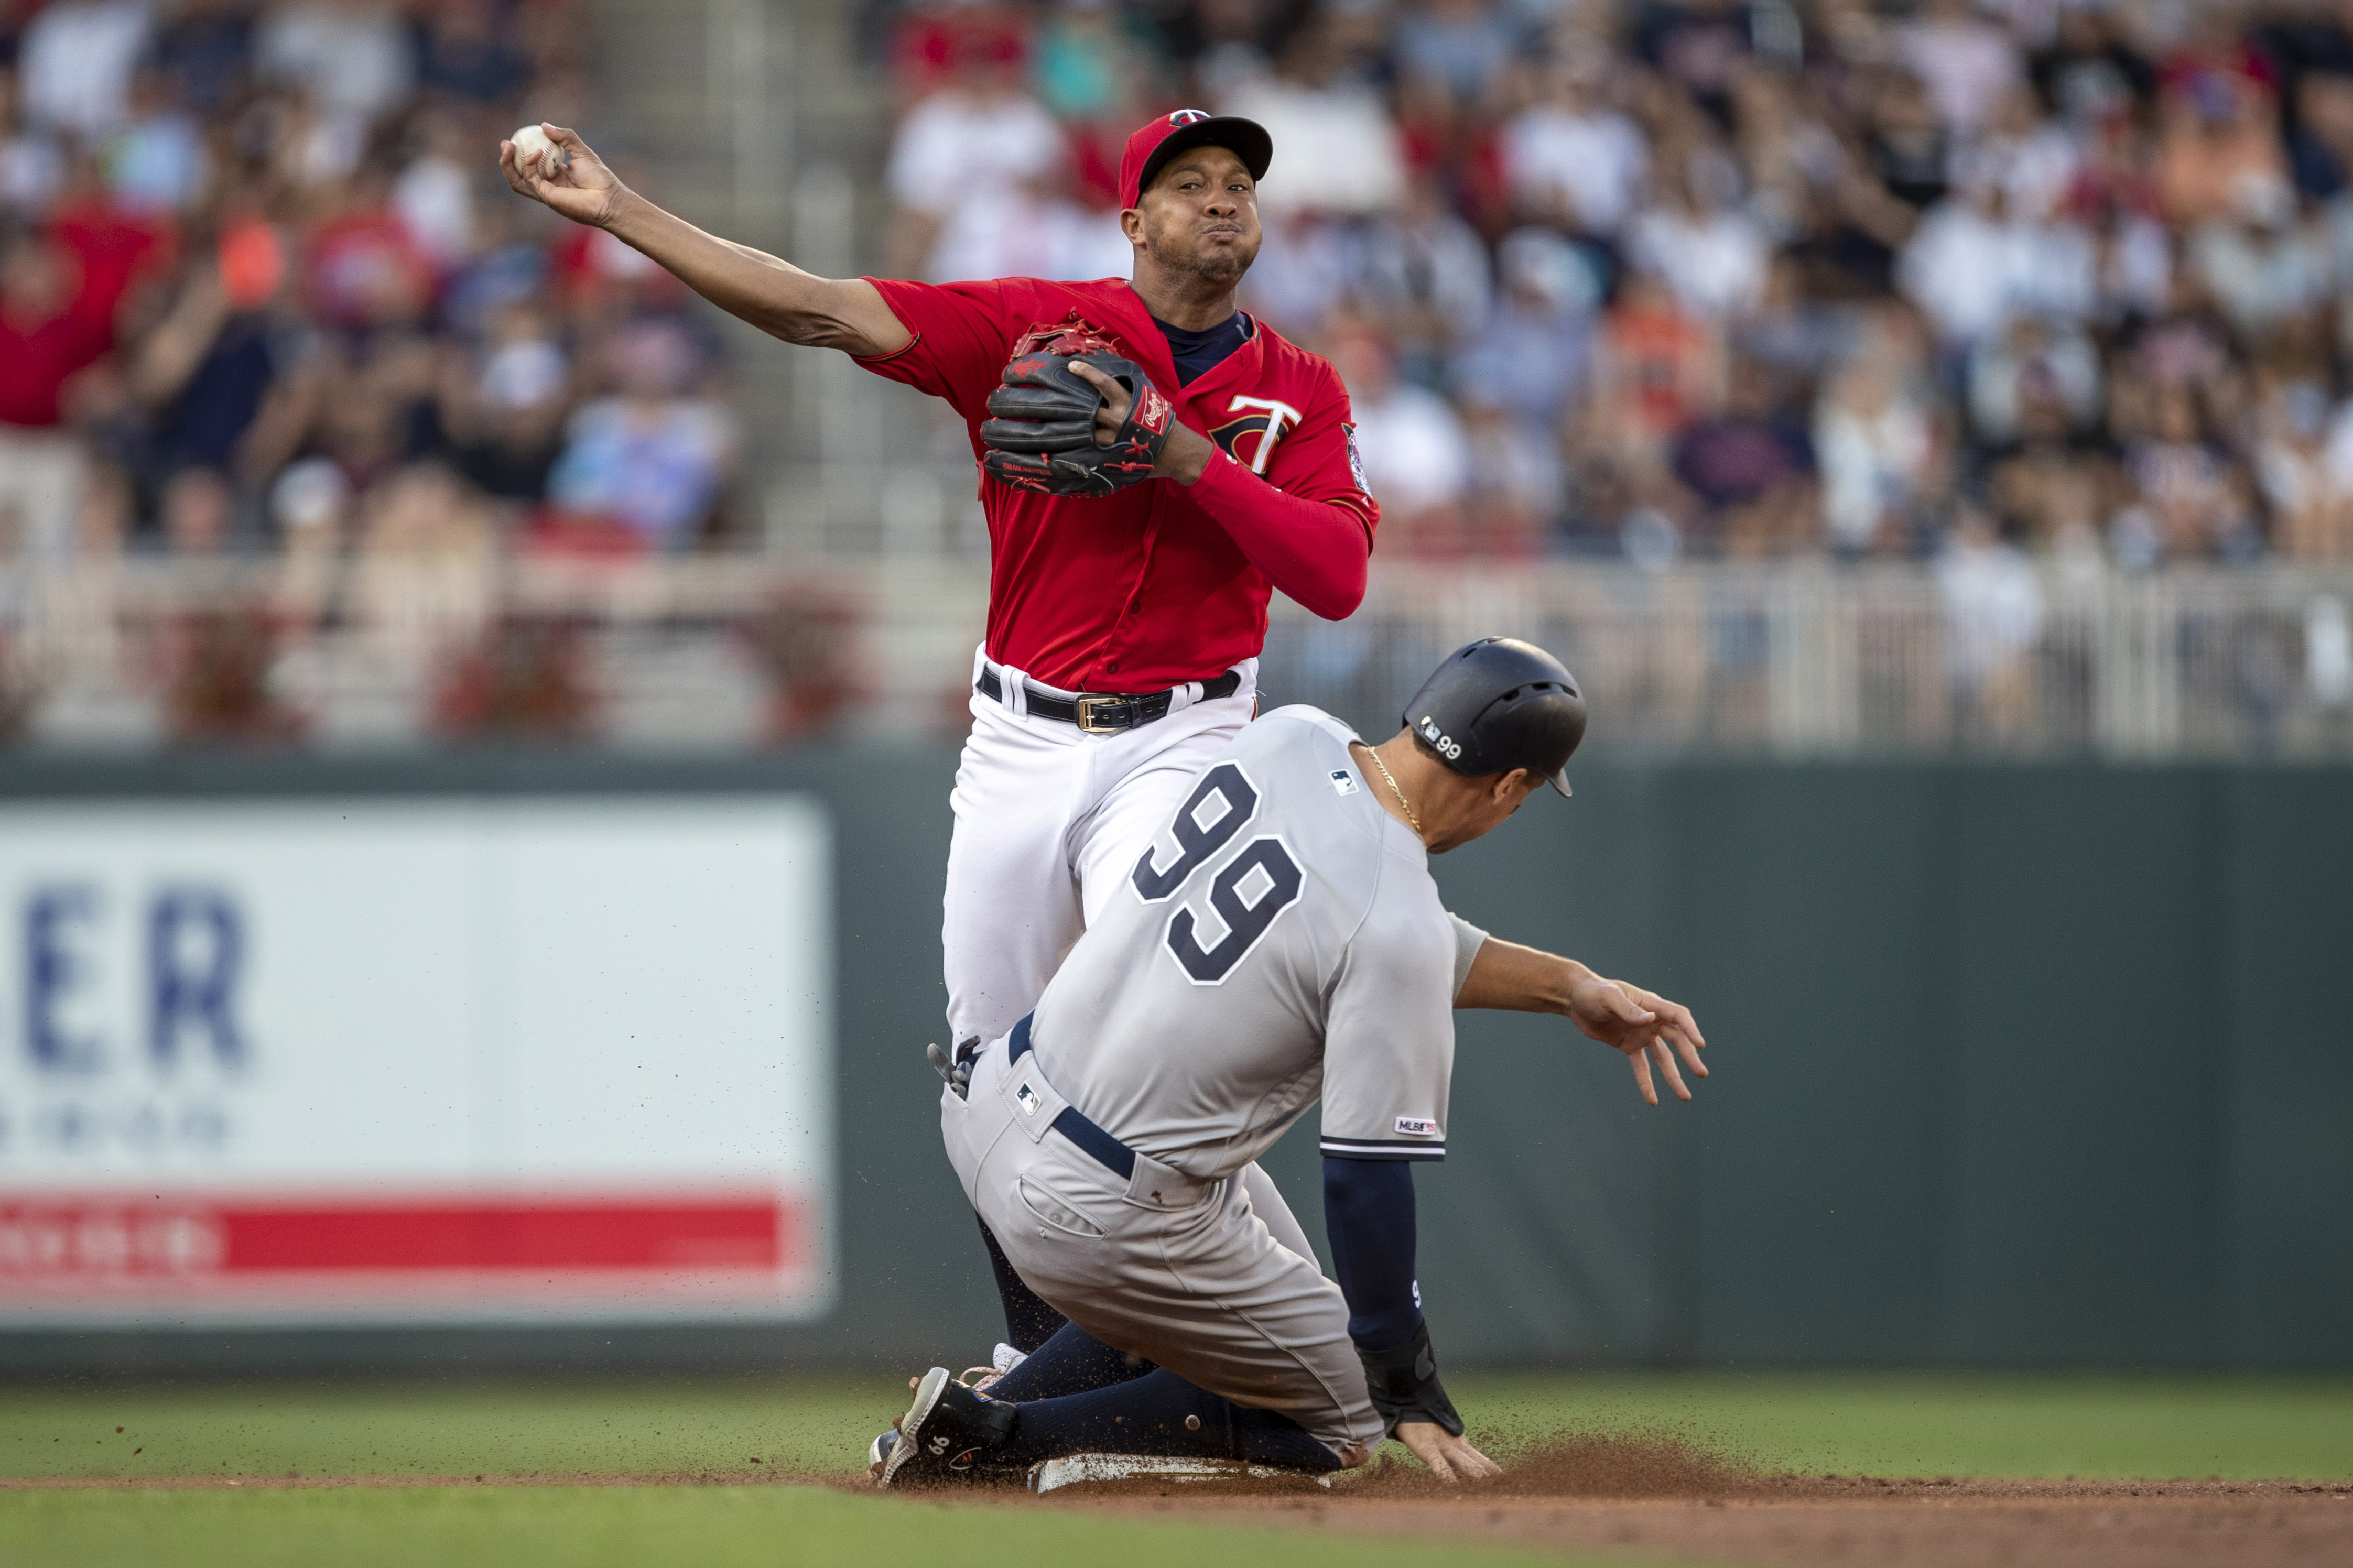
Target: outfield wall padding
point(2020, 1066)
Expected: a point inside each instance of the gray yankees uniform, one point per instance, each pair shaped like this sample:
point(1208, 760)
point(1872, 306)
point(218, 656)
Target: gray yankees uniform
point(1281, 942)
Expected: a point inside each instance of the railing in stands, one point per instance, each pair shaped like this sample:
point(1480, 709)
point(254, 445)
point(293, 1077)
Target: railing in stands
point(1808, 659)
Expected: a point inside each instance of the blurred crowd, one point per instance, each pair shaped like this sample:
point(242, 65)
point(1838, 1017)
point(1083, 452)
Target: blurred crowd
point(1734, 279)
point(1646, 278)
point(263, 289)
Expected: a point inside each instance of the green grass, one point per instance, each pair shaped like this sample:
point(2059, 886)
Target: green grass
point(2008, 1424)
point(1843, 1423)
point(588, 1429)
point(640, 1527)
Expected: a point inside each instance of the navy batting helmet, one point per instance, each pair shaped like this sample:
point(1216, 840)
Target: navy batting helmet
point(1498, 704)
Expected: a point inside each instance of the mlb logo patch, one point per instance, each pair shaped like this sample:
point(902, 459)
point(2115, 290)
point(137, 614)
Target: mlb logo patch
point(1343, 781)
point(1416, 1126)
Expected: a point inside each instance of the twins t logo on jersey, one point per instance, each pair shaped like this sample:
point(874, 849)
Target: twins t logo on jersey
point(1262, 417)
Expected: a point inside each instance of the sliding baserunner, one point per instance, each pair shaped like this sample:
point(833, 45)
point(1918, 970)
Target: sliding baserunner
point(1279, 940)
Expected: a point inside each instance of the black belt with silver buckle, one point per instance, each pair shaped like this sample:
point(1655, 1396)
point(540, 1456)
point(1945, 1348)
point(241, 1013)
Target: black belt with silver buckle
point(1106, 715)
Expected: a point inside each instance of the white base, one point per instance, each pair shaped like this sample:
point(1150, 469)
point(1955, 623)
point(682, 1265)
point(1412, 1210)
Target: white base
point(1072, 1469)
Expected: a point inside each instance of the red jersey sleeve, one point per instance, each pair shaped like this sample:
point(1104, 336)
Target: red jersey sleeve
point(962, 339)
point(1308, 524)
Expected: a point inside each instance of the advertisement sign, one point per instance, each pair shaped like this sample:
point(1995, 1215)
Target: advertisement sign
point(364, 1061)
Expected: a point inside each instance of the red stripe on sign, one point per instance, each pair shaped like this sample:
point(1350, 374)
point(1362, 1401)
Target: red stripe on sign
point(55, 1239)
point(476, 1237)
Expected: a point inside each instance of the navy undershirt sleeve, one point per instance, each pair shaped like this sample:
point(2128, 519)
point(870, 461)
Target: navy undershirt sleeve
point(1368, 1215)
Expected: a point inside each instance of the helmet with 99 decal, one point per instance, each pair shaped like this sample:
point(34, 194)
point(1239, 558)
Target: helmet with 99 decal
point(1498, 704)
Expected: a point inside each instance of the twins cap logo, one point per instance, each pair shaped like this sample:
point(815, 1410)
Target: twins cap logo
point(1188, 117)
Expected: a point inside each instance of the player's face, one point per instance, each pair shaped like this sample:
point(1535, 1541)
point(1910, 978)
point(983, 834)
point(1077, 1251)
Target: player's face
point(1200, 217)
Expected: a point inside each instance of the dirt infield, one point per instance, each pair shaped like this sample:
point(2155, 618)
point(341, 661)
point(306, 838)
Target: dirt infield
point(1946, 1525)
point(1670, 1497)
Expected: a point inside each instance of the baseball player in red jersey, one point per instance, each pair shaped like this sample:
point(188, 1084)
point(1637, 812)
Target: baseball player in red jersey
point(1124, 624)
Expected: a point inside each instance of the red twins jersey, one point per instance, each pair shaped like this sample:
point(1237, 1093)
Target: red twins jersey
point(1159, 584)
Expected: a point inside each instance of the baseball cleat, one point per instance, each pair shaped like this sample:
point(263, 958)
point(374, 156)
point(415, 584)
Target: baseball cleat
point(1004, 1359)
point(878, 1454)
point(945, 1435)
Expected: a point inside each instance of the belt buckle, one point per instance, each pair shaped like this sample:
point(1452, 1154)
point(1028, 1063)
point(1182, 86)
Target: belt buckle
point(1086, 706)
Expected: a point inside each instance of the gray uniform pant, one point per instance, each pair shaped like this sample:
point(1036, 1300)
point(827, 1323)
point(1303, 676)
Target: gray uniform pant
point(1213, 1280)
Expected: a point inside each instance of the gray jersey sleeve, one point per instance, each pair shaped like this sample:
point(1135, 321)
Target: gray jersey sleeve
point(1468, 939)
point(1389, 1043)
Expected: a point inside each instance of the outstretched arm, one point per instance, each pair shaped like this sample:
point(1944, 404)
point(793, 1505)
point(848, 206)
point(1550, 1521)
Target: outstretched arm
point(1622, 1016)
point(773, 295)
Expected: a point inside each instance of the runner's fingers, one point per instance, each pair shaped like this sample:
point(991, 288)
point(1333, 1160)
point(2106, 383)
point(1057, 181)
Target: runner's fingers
point(1672, 1015)
point(1642, 1076)
point(1476, 1464)
point(1628, 1007)
point(1462, 1461)
point(1434, 1446)
point(1666, 1055)
point(1690, 1050)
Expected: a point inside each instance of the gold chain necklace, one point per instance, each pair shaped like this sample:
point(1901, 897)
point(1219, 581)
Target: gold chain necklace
point(1410, 817)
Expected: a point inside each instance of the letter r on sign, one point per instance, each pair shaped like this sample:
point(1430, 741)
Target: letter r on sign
point(196, 946)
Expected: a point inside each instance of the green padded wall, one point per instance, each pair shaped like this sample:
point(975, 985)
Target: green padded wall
point(2014, 1066)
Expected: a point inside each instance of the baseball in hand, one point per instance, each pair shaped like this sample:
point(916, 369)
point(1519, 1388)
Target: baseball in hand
point(535, 146)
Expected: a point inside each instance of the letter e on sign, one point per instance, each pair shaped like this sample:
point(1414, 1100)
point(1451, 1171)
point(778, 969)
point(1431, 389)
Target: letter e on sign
point(56, 921)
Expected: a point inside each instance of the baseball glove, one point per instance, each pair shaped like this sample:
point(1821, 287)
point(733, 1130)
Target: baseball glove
point(1040, 434)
